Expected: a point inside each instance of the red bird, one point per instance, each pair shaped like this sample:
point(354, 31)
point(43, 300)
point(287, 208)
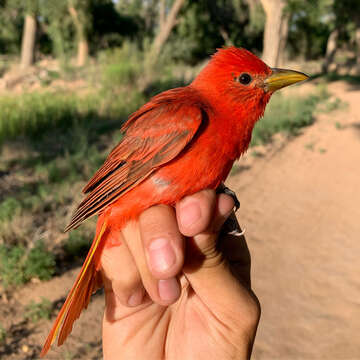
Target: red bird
point(182, 141)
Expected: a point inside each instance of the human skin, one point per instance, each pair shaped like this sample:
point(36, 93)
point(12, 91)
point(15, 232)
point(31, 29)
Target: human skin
point(165, 300)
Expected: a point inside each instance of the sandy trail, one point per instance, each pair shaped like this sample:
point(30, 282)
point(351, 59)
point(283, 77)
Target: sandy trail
point(302, 215)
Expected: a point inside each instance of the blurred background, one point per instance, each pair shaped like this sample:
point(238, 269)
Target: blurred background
point(71, 71)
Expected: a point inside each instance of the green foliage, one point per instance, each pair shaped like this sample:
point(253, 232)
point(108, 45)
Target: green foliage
point(31, 6)
point(77, 244)
point(11, 23)
point(122, 66)
point(2, 334)
point(287, 115)
point(310, 23)
point(207, 25)
point(19, 265)
point(38, 311)
point(98, 21)
point(12, 265)
point(109, 27)
point(347, 18)
point(8, 208)
point(201, 27)
point(40, 263)
point(56, 18)
point(121, 73)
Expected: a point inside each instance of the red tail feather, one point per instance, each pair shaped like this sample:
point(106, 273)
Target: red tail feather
point(79, 297)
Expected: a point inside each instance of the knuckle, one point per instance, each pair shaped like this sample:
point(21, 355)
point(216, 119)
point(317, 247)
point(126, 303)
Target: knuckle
point(126, 284)
point(156, 219)
point(207, 196)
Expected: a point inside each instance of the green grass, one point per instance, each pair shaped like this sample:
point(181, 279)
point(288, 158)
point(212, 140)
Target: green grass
point(44, 117)
point(18, 265)
point(31, 114)
point(38, 311)
point(287, 115)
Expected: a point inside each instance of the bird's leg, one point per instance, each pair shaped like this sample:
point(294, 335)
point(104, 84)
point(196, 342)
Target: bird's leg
point(225, 190)
point(231, 225)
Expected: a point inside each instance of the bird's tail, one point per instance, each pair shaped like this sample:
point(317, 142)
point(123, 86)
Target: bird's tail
point(86, 283)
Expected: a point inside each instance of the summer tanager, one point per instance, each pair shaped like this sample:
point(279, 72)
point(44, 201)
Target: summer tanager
point(182, 141)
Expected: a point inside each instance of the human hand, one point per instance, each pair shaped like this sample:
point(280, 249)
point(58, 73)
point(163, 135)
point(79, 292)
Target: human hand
point(192, 301)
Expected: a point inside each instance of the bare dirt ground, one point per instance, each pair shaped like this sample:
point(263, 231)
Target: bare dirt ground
point(300, 208)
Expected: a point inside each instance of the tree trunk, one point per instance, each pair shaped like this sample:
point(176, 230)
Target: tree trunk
point(82, 41)
point(225, 35)
point(82, 52)
point(162, 13)
point(164, 31)
point(331, 48)
point(357, 39)
point(284, 30)
point(275, 32)
point(28, 41)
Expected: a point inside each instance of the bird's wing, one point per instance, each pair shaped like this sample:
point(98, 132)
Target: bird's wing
point(155, 134)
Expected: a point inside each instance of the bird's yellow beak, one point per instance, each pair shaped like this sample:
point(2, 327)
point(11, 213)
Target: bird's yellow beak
point(280, 78)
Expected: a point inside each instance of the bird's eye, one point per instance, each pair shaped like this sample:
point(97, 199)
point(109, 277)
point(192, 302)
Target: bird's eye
point(244, 79)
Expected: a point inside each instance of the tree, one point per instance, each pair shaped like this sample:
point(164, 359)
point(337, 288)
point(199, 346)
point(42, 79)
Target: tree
point(331, 48)
point(311, 23)
point(58, 26)
point(11, 26)
point(80, 14)
point(347, 14)
point(275, 33)
point(166, 24)
point(357, 40)
point(29, 35)
point(110, 27)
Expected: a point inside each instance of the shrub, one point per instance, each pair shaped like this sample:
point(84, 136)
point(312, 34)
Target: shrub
point(19, 265)
point(37, 311)
point(8, 208)
point(40, 263)
point(2, 334)
point(77, 244)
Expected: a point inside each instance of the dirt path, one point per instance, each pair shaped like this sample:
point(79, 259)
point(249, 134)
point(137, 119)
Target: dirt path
point(302, 215)
point(300, 208)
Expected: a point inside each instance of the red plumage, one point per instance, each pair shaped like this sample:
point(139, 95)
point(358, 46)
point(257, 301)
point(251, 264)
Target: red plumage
point(182, 141)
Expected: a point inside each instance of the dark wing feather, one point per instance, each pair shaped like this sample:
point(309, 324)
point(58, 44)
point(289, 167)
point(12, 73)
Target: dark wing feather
point(154, 137)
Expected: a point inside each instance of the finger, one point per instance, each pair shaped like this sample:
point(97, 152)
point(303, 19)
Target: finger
point(202, 248)
point(207, 269)
point(195, 212)
point(157, 248)
point(162, 241)
point(121, 275)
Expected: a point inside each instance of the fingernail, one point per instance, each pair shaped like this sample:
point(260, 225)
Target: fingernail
point(169, 289)
point(189, 214)
point(161, 255)
point(136, 298)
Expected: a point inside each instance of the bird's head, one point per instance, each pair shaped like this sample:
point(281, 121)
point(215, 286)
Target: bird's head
point(237, 79)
